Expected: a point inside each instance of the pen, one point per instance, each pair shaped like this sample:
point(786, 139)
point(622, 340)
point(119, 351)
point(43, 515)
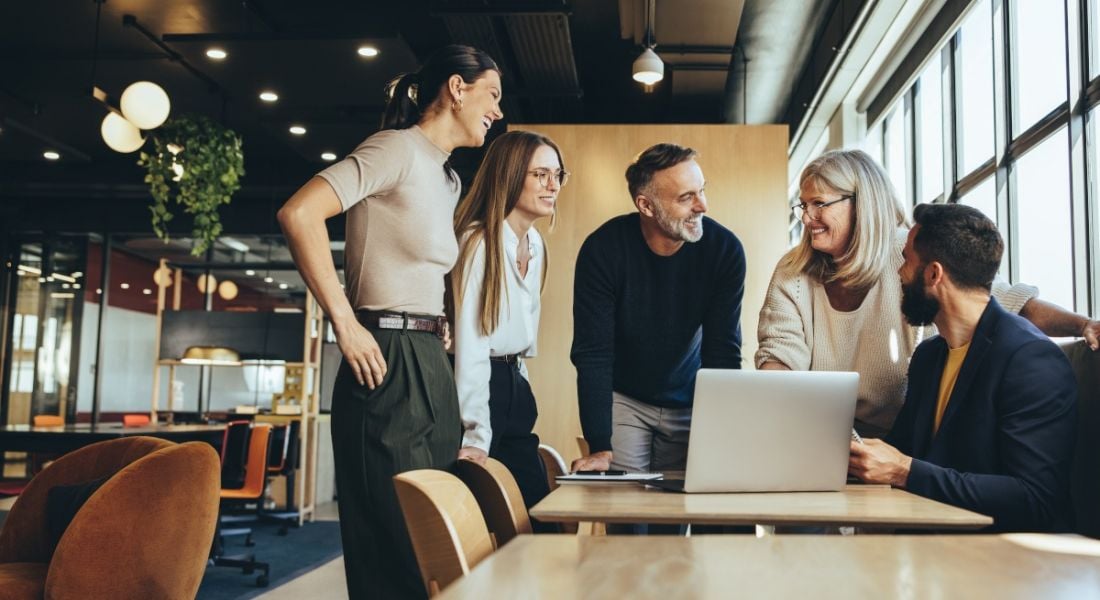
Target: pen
point(855, 436)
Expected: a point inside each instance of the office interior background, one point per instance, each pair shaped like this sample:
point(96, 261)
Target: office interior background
point(989, 103)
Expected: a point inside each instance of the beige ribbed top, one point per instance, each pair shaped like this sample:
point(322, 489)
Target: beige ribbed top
point(400, 238)
point(799, 328)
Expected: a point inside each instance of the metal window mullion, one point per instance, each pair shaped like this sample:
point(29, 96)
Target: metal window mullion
point(947, 119)
point(1003, 101)
point(912, 149)
point(957, 140)
point(1076, 75)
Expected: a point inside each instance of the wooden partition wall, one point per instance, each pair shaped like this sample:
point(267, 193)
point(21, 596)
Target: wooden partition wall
point(746, 173)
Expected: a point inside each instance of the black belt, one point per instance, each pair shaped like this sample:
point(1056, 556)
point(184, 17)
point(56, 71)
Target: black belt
point(382, 319)
point(512, 359)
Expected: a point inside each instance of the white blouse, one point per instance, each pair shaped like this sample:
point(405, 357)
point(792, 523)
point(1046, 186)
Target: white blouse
point(516, 332)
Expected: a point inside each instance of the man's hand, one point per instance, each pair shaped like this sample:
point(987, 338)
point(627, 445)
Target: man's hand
point(597, 461)
point(362, 353)
point(472, 453)
point(1091, 333)
point(875, 461)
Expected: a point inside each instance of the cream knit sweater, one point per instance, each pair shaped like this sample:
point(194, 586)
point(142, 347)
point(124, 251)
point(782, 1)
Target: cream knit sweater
point(799, 328)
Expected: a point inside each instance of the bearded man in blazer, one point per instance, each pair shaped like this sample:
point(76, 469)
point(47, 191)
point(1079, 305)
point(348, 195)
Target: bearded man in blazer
point(989, 419)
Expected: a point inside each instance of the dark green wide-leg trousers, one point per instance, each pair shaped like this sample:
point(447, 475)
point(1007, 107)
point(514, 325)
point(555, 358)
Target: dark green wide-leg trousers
point(409, 422)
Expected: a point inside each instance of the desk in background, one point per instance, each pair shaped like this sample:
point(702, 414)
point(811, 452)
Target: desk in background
point(59, 440)
point(797, 566)
point(856, 505)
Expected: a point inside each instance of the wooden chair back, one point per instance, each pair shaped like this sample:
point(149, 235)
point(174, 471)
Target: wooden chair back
point(555, 465)
point(448, 533)
point(499, 497)
point(48, 421)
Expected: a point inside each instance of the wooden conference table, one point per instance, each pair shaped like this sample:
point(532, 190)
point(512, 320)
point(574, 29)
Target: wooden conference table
point(66, 438)
point(797, 566)
point(857, 505)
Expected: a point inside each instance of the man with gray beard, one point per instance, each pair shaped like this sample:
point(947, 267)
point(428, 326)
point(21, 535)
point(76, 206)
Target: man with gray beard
point(654, 300)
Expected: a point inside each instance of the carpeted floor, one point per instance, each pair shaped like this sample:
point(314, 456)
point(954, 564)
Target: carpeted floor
point(300, 551)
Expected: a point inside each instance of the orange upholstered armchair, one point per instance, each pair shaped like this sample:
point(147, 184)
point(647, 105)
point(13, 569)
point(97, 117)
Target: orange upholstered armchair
point(145, 533)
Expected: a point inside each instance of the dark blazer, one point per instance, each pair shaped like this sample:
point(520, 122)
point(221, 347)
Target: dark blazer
point(1005, 444)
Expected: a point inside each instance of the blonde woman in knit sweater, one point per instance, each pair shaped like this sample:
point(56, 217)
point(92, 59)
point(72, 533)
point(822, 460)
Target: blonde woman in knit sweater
point(834, 302)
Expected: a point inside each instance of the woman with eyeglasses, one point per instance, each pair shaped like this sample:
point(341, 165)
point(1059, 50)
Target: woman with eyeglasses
point(394, 403)
point(496, 286)
point(834, 302)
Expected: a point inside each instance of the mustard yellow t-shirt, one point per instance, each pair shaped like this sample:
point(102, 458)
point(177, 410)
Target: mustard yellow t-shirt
point(955, 358)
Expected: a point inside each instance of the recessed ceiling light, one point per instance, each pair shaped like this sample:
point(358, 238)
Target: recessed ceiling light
point(146, 291)
point(268, 279)
point(283, 286)
point(250, 272)
point(328, 156)
point(368, 51)
point(50, 155)
point(268, 96)
point(297, 130)
point(216, 54)
point(124, 286)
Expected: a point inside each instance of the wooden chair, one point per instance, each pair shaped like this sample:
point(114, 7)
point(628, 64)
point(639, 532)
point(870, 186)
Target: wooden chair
point(555, 465)
point(1085, 477)
point(48, 421)
point(499, 497)
point(445, 525)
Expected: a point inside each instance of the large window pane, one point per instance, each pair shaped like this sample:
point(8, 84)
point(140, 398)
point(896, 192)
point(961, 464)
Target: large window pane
point(931, 131)
point(872, 144)
point(1039, 55)
point(1094, 41)
point(983, 198)
point(895, 152)
point(976, 88)
point(1046, 250)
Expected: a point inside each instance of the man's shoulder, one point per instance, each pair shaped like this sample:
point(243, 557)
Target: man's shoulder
point(614, 231)
point(718, 237)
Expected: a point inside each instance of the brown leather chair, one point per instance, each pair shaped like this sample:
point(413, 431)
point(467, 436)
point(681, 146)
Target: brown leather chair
point(499, 498)
point(448, 534)
point(1085, 478)
point(145, 533)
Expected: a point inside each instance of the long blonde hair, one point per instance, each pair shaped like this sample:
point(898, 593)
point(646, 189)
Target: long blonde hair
point(876, 216)
point(480, 216)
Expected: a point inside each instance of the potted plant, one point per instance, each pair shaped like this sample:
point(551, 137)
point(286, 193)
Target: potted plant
point(197, 164)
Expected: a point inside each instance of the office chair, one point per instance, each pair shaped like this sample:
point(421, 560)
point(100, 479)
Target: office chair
point(1085, 474)
point(448, 534)
point(144, 533)
point(251, 488)
point(283, 460)
point(499, 498)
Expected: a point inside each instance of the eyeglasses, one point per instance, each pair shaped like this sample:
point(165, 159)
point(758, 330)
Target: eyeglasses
point(544, 177)
point(815, 208)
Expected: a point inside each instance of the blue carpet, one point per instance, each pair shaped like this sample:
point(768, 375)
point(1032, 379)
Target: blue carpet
point(300, 551)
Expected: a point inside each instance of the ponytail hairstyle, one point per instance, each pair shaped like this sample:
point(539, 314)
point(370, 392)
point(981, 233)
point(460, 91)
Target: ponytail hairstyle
point(412, 95)
point(496, 189)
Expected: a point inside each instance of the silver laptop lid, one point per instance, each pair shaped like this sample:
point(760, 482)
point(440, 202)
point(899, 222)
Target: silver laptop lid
point(765, 431)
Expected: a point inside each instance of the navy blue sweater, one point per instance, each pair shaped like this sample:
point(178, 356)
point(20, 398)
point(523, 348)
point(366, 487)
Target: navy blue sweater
point(643, 324)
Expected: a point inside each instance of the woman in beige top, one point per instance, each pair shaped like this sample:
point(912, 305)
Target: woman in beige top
point(394, 404)
point(834, 302)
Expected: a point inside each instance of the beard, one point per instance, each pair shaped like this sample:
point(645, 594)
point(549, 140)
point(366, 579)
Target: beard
point(679, 228)
point(917, 306)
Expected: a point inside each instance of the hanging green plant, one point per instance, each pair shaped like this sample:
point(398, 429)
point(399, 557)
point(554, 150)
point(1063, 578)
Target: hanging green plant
point(195, 163)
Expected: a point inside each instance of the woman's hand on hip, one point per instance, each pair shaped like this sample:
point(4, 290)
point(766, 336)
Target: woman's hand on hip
point(362, 353)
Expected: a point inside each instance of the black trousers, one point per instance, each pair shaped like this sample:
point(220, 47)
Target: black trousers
point(512, 415)
point(409, 422)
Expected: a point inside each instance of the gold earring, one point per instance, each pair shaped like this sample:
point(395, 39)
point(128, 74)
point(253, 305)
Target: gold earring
point(456, 105)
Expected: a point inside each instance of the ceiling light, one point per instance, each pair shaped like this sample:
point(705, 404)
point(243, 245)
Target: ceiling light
point(30, 269)
point(268, 279)
point(120, 134)
point(368, 51)
point(268, 96)
point(76, 286)
point(283, 286)
point(124, 286)
point(227, 290)
point(297, 130)
point(146, 291)
point(250, 272)
point(648, 68)
point(63, 277)
point(78, 274)
point(235, 244)
point(50, 155)
point(145, 104)
point(216, 54)
point(329, 156)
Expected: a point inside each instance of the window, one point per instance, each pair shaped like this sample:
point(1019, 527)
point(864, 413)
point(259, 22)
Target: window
point(984, 198)
point(1045, 230)
point(1039, 59)
point(895, 153)
point(872, 144)
point(975, 83)
point(931, 130)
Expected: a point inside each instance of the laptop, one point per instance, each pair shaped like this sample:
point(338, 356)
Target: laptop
point(769, 431)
